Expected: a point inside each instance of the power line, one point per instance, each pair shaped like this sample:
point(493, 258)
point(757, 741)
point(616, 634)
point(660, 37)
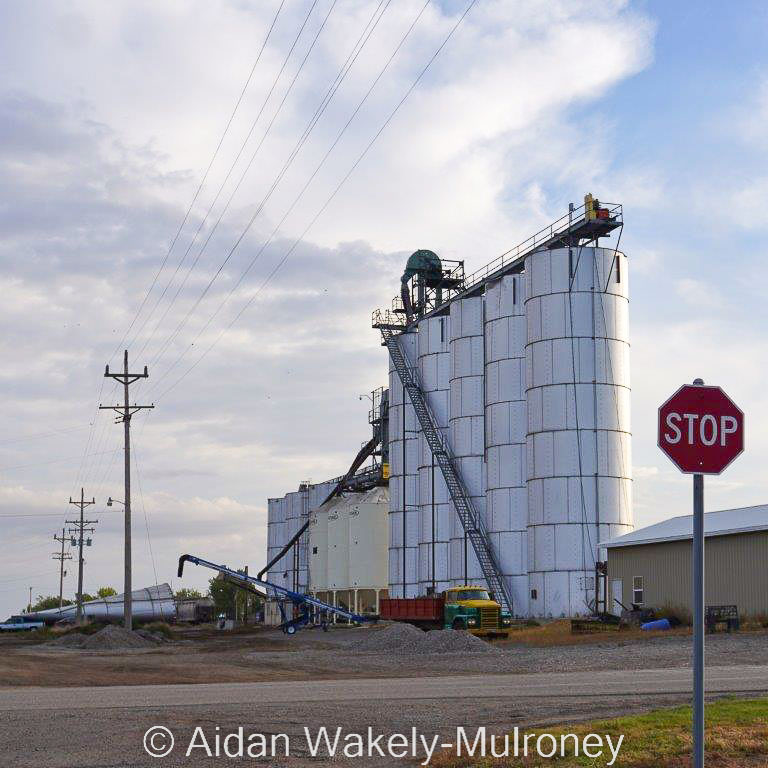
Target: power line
point(341, 75)
point(298, 198)
point(82, 526)
point(40, 435)
point(50, 461)
point(333, 194)
point(199, 189)
point(229, 173)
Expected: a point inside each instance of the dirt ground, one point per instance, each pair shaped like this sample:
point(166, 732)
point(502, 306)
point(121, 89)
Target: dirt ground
point(202, 654)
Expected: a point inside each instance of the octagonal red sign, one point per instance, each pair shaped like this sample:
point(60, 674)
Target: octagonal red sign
point(701, 429)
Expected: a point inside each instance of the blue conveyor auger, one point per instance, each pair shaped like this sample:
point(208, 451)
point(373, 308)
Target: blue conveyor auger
point(303, 602)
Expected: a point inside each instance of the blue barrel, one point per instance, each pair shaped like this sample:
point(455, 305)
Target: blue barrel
point(656, 625)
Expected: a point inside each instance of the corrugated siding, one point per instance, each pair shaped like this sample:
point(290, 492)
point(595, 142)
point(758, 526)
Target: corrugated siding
point(736, 572)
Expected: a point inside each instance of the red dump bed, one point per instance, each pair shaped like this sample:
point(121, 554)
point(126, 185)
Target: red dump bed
point(411, 609)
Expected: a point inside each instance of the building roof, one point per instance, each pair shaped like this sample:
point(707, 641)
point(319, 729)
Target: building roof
point(720, 523)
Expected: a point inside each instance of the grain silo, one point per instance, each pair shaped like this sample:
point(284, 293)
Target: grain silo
point(467, 430)
point(404, 528)
point(578, 459)
point(536, 460)
point(434, 501)
point(505, 431)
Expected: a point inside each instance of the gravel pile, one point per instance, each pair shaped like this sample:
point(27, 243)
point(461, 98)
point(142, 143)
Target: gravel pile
point(111, 638)
point(409, 640)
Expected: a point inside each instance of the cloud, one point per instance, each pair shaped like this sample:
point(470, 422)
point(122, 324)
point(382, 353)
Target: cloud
point(108, 116)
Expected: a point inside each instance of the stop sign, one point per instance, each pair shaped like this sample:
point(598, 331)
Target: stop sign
point(701, 429)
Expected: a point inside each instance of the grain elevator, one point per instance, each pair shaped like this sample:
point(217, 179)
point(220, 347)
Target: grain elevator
point(502, 444)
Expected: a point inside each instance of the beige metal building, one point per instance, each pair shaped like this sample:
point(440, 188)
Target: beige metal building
point(652, 566)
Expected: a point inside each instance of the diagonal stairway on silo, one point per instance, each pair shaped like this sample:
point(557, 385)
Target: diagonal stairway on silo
point(470, 518)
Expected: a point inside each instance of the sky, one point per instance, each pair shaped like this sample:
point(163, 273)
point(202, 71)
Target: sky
point(244, 277)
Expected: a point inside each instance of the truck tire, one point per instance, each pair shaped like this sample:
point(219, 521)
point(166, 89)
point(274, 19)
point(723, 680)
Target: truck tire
point(458, 624)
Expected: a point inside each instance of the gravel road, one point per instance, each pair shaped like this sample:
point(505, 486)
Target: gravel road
point(104, 727)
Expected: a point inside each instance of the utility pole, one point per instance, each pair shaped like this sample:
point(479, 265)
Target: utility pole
point(82, 527)
point(61, 557)
point(29, 604)
point(124, 413)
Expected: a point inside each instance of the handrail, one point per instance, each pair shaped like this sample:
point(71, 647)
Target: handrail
point(557, 227)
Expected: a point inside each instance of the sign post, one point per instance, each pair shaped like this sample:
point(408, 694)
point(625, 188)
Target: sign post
point(702, 431)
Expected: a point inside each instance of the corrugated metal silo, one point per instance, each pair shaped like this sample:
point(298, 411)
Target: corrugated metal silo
point(505, 432)
point(403, 481)
point(467, 429)
point(435, 509)
point(578, 441)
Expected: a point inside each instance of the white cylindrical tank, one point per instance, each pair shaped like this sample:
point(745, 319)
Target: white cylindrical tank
point(578, 407)
point(466, 421)
point(338, 542)
point(367, 517)
point(272, 534)
point(403, 481)
point(434, 500)
point(303, 543)
point(505, 432)
point(318, 547)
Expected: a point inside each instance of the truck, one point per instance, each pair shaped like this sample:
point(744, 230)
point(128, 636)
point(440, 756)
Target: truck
point(20, 624)
point(468, 608)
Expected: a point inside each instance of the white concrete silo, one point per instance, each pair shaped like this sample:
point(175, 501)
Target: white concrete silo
point(578, 439)
point(434, 501)
point(317, 545)
point(403, 480)
point(505, 432)
point(367, 579)
point(466, 427)
point(338, 549)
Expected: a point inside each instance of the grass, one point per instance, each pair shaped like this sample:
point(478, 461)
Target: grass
point(736, 737)
point(160, 628)
point(558, 632)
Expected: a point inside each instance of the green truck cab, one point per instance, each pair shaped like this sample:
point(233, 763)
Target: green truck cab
point(471, 608)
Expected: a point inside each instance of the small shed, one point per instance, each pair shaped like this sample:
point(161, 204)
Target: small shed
point(652, 566)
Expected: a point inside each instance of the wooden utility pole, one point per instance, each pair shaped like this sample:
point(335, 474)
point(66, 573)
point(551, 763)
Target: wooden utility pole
point(124, 413)
point(81, 528)
point(61, 557)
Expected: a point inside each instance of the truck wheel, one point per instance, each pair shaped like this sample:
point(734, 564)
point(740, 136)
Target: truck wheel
point(290, 629)
point(459, 624)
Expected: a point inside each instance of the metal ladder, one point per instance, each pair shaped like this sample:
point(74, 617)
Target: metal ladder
point(472, 521)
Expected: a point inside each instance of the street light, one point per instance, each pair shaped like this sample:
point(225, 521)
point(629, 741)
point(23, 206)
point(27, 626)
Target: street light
point(111, 501)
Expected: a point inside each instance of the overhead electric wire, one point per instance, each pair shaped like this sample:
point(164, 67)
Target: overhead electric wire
point(298, 197)
point(199, 189)
point(341, 75)
point(226, 178)
point(334, 193)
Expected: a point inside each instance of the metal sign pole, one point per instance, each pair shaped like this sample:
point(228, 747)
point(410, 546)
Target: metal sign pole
point(698, 621)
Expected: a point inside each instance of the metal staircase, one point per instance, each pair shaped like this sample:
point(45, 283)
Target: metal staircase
point(472, 521)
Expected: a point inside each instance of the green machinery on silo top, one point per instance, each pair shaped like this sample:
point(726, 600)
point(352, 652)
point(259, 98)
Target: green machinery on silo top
point(426, 282)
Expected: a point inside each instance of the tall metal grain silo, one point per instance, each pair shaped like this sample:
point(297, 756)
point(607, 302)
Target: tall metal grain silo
point(434, 500)
point(466, 426)
point(272, 536)
point(505, 432)
point(578, 403)
point(302, 551)
point(403, 480)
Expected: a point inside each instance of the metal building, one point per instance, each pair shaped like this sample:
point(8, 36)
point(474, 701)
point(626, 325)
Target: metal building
point(652, 566)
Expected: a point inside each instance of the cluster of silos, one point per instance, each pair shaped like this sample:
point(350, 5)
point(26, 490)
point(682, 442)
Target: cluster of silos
point(528, 380)
point(348, 553)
